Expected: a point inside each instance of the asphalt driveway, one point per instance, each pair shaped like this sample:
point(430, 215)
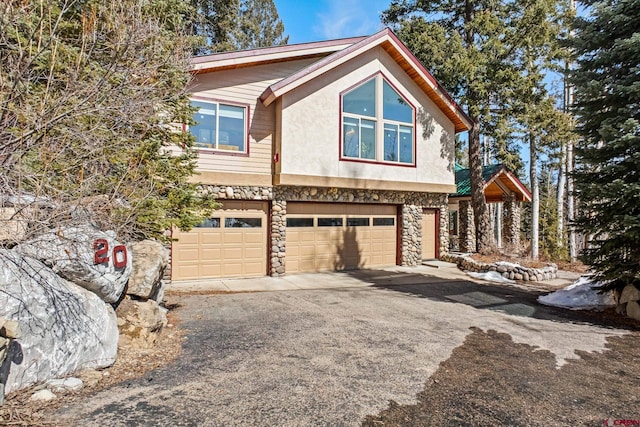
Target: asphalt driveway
point(333, 356)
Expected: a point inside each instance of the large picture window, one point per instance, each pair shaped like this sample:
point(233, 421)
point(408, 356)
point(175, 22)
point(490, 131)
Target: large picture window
point(220, 126)
point(378, 124)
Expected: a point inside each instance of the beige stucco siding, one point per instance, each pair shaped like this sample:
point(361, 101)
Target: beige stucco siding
point(243, 86)
point(310, 127)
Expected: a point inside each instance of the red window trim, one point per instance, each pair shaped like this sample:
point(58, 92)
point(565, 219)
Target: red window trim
point(377, 162)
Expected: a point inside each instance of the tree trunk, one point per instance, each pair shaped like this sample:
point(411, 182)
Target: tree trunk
point(484, 238)
point(570, 203)
point(535, 194)
point(560, 195)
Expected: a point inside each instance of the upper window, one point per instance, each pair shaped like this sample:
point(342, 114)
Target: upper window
point(220, 126)
point(378, 124)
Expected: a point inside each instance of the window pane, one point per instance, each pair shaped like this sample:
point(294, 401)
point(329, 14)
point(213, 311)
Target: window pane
point(299, 222)
point(406, 144)
point(243, 222)
point(357, 222)
point(205, 128)
point(209, 223)
point(368, 139)
point(361, 100)
point(329, 222)
point(231, 135)
point(395, 107)
point(383, 221)
point(350, 137)
point(390, 142)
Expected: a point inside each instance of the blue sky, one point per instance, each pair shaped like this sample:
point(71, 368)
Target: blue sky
point(315, 20)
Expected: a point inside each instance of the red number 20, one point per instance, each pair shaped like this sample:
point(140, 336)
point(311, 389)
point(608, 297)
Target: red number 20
point(100, 256)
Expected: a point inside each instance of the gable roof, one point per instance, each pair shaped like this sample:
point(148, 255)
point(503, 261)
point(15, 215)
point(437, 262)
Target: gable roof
point(399, 52)
point(495, 178)
point(268, 55)
point(331, 54)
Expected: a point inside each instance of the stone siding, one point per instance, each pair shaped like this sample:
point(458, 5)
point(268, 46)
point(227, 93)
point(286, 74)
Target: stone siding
point(511, 224)
point(467, 230)
point(412, 204)
point(278, 251)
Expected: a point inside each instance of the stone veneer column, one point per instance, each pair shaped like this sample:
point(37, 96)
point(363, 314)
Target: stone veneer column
point(411, 235)
point(511, 220)
point(444, 230)
point(467, 228)
point(278, 237)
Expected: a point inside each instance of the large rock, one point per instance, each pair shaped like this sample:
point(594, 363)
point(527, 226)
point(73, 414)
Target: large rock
point(63, 327)
point(140, 322)
point(629, 293)
point(633, 310)
point(150, 259)
point(85, 256)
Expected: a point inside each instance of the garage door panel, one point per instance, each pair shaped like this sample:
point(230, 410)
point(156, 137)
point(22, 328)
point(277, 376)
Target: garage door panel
point(225, 251)
point(189, 254)
point(254, 237)
point(211, 238)
point(342, 246)
point(188, 238)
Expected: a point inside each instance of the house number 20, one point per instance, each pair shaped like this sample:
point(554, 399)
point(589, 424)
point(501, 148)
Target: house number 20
point(101, 254)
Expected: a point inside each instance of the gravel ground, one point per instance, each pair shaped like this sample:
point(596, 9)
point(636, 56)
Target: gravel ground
point(441, 351)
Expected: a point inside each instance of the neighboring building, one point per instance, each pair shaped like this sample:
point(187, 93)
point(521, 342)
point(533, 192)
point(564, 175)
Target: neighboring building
point(501, 186)
point(330, 155)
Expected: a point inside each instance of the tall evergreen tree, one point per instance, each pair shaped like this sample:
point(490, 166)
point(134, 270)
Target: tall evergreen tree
point(475, 49)
point(226, 25)
point(89, 93)
point(607, 104)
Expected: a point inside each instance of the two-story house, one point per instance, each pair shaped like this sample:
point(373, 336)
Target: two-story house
point(325, 156)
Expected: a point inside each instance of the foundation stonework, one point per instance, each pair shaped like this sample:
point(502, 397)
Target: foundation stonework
point(467, 231)
point(411, 203)
point(511, 223)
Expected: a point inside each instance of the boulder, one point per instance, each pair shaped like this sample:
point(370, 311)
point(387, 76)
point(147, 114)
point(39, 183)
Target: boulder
point(150, 258)
point(629, 293)
point(85, 256)
point(140, 322)
point(63, 327)
point(633, 310)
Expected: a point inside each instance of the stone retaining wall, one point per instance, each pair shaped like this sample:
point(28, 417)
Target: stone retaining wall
point(507, 270)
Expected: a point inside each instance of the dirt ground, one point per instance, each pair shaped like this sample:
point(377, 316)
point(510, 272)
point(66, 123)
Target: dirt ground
point(480, 385)
point(132, 362)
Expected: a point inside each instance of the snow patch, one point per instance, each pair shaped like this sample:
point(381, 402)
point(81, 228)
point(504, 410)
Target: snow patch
point(580, 295)
point(491, 276)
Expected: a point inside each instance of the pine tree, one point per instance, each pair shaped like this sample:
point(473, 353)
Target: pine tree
point(227, 25)
point(475, 49)
point(89, 94)
point(607, 103)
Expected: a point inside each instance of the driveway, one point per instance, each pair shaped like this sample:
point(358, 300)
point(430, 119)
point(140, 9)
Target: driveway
point(356, 347)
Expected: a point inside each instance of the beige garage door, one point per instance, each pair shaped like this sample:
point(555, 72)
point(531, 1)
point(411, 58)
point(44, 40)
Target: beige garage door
point(335, 236)
point(232, 243)
point(429, 234)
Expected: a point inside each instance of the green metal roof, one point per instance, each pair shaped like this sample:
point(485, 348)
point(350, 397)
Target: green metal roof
point(463, 178)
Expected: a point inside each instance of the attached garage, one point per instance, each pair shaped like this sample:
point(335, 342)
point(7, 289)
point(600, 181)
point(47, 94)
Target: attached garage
point(337, 236)
point(430, 233)
point(232, 243)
